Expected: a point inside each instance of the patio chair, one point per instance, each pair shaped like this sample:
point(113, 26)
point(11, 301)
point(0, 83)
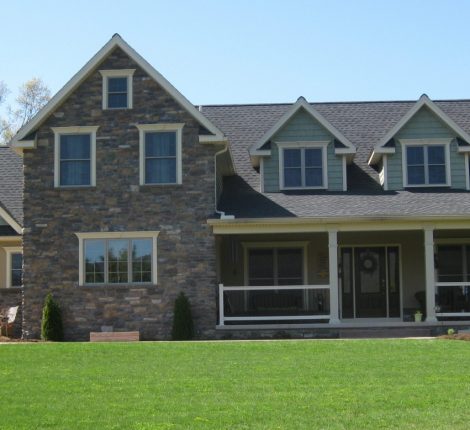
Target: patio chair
point(8, 319)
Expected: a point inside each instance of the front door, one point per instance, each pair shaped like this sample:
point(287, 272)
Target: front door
point(370, 282)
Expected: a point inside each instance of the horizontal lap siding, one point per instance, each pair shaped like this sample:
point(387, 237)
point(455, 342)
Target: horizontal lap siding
point(425, 124)
point(302, 127)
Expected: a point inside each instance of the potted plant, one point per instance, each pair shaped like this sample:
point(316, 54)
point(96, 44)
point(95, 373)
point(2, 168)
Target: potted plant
point(418, 316)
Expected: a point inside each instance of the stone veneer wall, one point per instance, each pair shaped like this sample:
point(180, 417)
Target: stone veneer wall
point(10, 297)
point(185, 246)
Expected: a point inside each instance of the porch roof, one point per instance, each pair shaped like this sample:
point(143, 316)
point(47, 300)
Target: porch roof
point(243, 201)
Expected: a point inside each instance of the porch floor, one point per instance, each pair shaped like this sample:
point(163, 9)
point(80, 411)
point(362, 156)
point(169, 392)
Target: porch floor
point(379, 329)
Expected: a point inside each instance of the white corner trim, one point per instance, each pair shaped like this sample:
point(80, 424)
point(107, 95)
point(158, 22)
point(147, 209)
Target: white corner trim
point(467, 172)
point(261, 175)
point(90, 66)
point(9, 250)
point(59, 131)
point(301, 145)
point(178, 129)
point(117, 73)
point(385, 171)
point(345, 174)
point(116, 235)
point(301, 103)
point(425, 142)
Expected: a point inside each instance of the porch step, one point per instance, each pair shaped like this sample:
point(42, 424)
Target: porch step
point(389, 332)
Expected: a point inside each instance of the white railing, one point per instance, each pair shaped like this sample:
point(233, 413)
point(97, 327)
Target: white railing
point(310, 316)
point(456, 313)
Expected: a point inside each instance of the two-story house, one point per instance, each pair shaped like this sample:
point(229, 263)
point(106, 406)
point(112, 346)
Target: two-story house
point(312, 217)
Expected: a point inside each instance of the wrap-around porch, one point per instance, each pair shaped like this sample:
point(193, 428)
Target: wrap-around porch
point(338, 277)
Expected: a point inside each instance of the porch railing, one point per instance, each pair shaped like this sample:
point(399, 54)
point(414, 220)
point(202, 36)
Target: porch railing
point(453, 299)
point(273, 303)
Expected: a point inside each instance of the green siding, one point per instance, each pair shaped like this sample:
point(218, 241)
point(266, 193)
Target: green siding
point(302, 127)
point(425, 124)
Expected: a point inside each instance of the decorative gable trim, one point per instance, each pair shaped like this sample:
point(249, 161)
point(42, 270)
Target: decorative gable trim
point(424, 100)
point(10, 220)
point(116, 42)
point(256, 150)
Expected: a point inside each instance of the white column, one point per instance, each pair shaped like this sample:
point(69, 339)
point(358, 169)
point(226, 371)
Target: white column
point(430, 277)
point(333, 268)
point(221, 304)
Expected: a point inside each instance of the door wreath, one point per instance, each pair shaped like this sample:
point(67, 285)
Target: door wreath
point(368, 263)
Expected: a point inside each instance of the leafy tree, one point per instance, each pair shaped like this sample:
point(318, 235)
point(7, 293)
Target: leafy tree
point(32, 96)
point(183, 328)
point(51, 326)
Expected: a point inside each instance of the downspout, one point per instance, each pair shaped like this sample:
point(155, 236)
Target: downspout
point(221, 213)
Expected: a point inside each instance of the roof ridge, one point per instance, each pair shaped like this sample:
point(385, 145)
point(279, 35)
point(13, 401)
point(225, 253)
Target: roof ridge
point(327, 103)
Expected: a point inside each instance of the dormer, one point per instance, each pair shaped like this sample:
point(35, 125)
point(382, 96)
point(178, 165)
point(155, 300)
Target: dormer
point(425, 149)
point(302, 151)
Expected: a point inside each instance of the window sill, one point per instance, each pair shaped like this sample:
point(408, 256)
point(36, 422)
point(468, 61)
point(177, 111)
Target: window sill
point(427, 186)
point(75, 187)
point(159, 185)
point(116, 286)
point(117, 108)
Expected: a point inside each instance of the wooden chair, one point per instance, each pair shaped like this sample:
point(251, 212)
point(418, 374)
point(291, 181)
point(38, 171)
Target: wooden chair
point(8, 319)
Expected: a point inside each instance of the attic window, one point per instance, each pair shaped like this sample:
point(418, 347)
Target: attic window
point(117, 88)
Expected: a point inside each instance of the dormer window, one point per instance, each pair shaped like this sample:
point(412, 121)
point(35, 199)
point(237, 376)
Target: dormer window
point(303, 165)
point(117, 88)
point(426, 163)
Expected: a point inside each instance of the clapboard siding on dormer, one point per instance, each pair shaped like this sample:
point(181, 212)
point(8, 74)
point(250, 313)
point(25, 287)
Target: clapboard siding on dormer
point(302, 128)
point(425, 125)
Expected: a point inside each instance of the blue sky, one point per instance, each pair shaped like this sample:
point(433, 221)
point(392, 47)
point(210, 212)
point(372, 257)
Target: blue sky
point(250, 51)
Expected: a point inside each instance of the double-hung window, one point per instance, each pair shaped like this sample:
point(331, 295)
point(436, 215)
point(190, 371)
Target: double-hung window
point(426, 164)
point(117, 88)
point(75, 149)
point(160, 154)
point(117, 258)
point(14, 267)
point(302, 167)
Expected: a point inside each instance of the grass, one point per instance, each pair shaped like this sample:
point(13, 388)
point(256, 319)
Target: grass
point(359, 384)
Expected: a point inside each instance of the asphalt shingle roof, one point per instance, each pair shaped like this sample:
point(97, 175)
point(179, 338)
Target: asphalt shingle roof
point(11, 183)
point(364, 124)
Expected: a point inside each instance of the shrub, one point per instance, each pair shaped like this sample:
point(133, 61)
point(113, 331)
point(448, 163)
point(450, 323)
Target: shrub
point(183, 328)
point(51, 327)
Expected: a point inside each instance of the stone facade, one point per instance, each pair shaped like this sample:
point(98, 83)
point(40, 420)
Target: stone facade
point(185, 245)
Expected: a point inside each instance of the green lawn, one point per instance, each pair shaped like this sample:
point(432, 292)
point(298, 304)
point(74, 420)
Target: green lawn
point(358, 384)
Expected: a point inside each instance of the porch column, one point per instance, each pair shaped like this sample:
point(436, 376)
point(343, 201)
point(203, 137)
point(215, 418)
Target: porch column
point(430, 277)
point(333, 269)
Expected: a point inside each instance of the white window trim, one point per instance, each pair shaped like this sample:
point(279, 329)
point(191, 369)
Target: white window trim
point(59, 131)
point(467, 172)
point(425, 142)
point(300, 145)
point(9, 251)
point(178, 129)
point(119, 73)
point(116, 235)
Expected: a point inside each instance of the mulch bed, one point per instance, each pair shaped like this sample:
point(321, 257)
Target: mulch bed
point(12, 340)
point(457, 336)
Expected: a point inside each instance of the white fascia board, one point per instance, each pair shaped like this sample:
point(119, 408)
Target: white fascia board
point(464, 149)
point(115, 42)
point(424, 100)
point(10, 221)
point(207, 138)
point(301, 103)
point(344, 151)
point(377, 155)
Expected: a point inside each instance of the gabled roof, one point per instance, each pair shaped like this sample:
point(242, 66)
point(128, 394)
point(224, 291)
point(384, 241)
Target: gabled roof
point(301, 103)
point(424, 100)
point(116, 41)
